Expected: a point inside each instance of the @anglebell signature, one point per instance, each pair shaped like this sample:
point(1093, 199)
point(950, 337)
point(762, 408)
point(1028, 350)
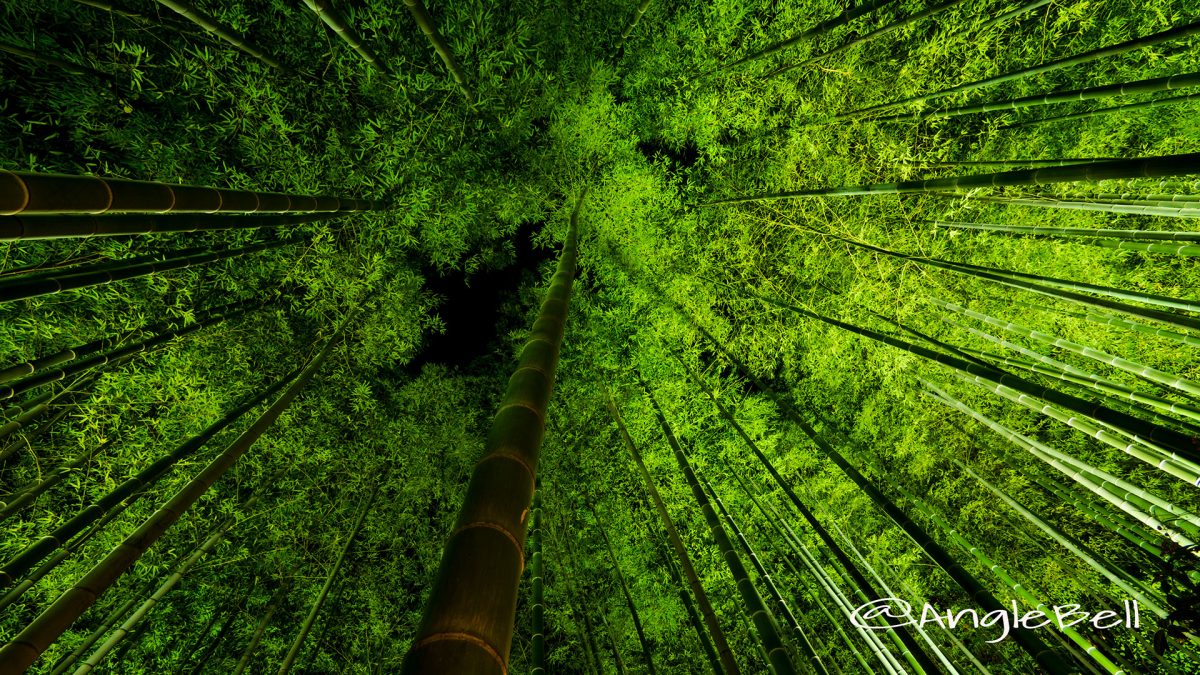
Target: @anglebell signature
point(886, 613)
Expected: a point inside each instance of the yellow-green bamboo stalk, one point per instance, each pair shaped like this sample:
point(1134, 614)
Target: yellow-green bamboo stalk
point(330, 16)
point(66, 66)
point(1142, 209)
point(1111, 110)
point(637, 16)
point(200, 18)
point(421, 15)
point(1094, 232)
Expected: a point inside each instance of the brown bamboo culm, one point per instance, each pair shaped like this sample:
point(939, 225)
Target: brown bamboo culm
point(25, 193)
point(468, 622)
point(417, 8)
point(337, 24)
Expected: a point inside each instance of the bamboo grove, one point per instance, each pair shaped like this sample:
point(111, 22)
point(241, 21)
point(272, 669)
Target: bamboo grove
point(633, 337)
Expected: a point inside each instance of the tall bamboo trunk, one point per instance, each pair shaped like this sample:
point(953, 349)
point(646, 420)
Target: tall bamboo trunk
point(62, 64)
point(17, 228)
point(538, 657)
point(25, 648)
point(633, 612)
point(1093, 232)
point(851, 13)
point(637, 16)
point(30, 493)
point(338, 25)
point(1141, 207)
point(421, 15)
point(1111, 110)
point(468, 622)
point(261, 627)
point(579, 605)
point(225, 33)
point(685, 561)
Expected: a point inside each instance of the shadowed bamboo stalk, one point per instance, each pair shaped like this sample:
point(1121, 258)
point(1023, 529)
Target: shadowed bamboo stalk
point(578, 604)
point(764, 623)
point(1016, 11)
point(925, 13)
point(311, 618)
point(710, 618)
point(637, 16)
point(1177, 33)
point(1091, 232)
point(538, 659)
point(694, 619)
point(851, 13)
point(26, 496)
point(22, 289)
point(421, 15)
point(1147, 86)
point(200, 18)
point(213, 645)
point(80, 366)
point(261, 627)
point(128, 491)
point(67, 66)
point(1149, 167)
point(338, 25)
point(588, 602)
point(29, 411)
point(114, 615)
point(25, 648)
point(14, 228)
point(616, 566)
point(27, 193)
point(1032, 163)
point(1100, 112)
point(1143, 209)
point(467, 626)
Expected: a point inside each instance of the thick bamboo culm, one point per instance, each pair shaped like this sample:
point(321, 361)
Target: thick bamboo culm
point(105, 273)
point(67, 66)
point(1111, 110)
point(338, 25)
point(1148, 86)
point(198, 17)
point(467, 626)
point(25, 648)
point(1089, 232)
point(13, 228)
point(851, 13)
point(537, 658)
point(1150, 167)
point(421, 15)
point(27, 193)
point(637, 16)
point(1177, 33)
point(128, 491)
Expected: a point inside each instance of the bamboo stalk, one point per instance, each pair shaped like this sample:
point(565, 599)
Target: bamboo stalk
point(468, 620)
point(1112, 110)
point(575, 592)
point(421, 15)
point(1177, 33)
point(706, 609)
point(67, 66)
point(17, 228)
point(849, 14)
point(23, 289)
point(538, 658)
point(1107, 320)
point(1143, 209)
point(31, 493)
point(1016, 11)
point(200, 18)
point(616, 566)
point(1036, 230)
point(336, 23)
point(261, 627)
point(1149, 167)
point(1025, 162)
point(1147, 86)
point(637, 16)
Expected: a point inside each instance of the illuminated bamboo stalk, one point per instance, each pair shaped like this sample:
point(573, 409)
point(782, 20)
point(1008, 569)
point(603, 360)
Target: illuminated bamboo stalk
point(421, 15)
point(1177, 33)
point(25, 648)
point(200, 18)
point(1016, 11)
point(566, 544)
point(66, 66)
point(468, 620)
point(114, 615)
point(306, 626)
point(21, 289)
point(1149, 167)
point(637, 16)
point(30, 411)
point(538, 658)
point(1032, 163)
point(32, 227)
point(849, 14)
point(616, 566)
point(1147, 86)
point(1091, 232)
point(1111, 110)
point(1126, 583)
point(1143, 209)
point(261, 627)
point(31, 493)
point(1108, 320)
point(1173, 198)
point(897, 25)
point(706, 609)
point(332, 18)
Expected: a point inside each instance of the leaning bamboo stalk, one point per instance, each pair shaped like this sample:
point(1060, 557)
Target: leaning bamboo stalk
point(577, 601)
point(28, 495)
point(1126, 583)
point(1147, 86)
point(66, 66)
point(200, 18)
point(128, 491)
point(32, 227)
point(897, 25)
point(1107, 320)
point(421, 15)
point(83, 365)
point(261, 627)
point(851, 13)
point(111, 619)
point(1137, 196)
point(1150, 167)
point(31, 410)
point(1176, 33)
point(694, 619)
point(27, 193)
point(332, 18)
point(706, 609)
point(306, 626)
point(1091, 232)
point(1171, 211)
point(468, 620)
point(1016, 11)
point(588, 602)
point(21, 289)
point(1049, 363)
point(1041, 163)
point(1111, 110)
point(538, 639)
point(637, 16)
point(633, 612)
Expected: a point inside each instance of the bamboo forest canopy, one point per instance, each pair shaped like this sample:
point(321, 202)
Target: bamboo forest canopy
point(599, 336)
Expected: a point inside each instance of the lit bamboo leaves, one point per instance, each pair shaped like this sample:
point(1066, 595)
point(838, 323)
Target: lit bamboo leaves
point(425, 22)
point(851, 13)
point(225, 33)
point(332, 18)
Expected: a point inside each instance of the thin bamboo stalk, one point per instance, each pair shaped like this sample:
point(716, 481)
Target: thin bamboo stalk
point(21, 289)
point(211, 649)
point(1141, 209)
point(1025, 162)
point(261, 627)
point(1111, 110)
point(425, 22)
point(637, 16)
point(18, 228)
point(1149, 167)
point(114, 615)
point(694, 619)
point(1176, 33)
point(706, 609)
point(575, 598)
point(33, 409)
point(28, 495)
point(1037, 230)
point(290, 659)
point(338, 25)
point(25, 648)
point(468, 621)
point(616, 566)
point(1174, 198)
point(1147, 86)
point(849, 14)
point(200, 18)
point(538, 658)
point(1108, 320)
point(1016, 11)
point(67, 66)
point(587, 602)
